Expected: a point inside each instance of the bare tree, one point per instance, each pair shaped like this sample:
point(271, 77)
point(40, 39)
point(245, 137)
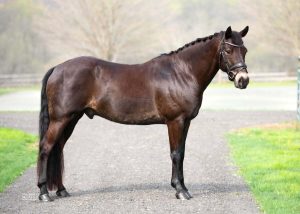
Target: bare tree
point(273, 40)
point(114, 30)
point(280, 23)
point(21, 49)
point(276, 34)
point(283, 24)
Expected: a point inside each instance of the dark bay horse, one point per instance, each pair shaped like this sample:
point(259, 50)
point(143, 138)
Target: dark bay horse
point(165, 90)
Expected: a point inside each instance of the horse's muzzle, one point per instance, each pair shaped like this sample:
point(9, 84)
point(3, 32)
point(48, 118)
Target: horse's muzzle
point(241, 80)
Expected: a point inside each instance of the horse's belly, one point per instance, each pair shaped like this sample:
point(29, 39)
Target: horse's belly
point(130, 111)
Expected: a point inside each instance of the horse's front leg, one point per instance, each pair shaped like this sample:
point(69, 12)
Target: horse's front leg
point(178, 130)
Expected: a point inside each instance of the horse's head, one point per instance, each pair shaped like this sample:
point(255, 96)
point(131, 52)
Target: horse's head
point(232, 57)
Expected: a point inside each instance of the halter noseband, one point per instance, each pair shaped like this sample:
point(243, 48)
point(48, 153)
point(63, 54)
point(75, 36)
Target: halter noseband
point(230, 68)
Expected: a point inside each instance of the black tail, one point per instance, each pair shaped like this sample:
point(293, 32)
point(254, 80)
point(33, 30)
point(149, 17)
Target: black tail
point(44, 114)
point(55, 167)
point(55, 158)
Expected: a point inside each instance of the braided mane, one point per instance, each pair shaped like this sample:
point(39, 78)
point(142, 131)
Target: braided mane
point(198, 40)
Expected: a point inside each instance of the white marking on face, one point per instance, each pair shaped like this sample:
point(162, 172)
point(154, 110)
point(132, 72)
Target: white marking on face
point(240, 75)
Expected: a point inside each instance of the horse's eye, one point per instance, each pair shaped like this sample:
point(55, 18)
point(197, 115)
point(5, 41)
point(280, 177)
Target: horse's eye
point(228, 51)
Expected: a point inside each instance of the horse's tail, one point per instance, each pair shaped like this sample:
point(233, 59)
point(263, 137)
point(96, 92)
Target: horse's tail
point(55, 158)
point(44, 114)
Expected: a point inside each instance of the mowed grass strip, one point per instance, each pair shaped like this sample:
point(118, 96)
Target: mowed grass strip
point(18, 150)
point(269, 160)
point(6, 90)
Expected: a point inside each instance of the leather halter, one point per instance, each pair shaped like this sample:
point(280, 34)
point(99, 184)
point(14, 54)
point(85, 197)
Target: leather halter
point(230, 68)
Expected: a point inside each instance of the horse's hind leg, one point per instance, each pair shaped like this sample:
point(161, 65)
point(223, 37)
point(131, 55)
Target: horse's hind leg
point(49, 141)
point(61, 190)
point(178, 130)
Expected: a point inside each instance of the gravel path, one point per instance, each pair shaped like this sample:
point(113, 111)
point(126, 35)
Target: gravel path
point(113, 168)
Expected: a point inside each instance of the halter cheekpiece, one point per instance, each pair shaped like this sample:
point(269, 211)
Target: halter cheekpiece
point(230, 68)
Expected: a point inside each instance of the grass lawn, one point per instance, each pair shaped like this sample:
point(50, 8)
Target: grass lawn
point(8, 90)
point(18, 150)
point(269, 160)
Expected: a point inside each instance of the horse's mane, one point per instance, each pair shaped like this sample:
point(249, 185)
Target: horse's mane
point(198, 40)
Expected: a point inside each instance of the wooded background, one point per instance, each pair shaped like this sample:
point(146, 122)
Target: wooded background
point(38, 34)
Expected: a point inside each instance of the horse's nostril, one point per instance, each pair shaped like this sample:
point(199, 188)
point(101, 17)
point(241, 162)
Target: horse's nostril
point(247, 81)
point(240, 81)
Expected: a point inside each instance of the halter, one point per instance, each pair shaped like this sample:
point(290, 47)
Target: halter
point(230, 68)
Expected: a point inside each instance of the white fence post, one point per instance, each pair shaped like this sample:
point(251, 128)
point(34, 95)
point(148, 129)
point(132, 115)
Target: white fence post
point(298, 90)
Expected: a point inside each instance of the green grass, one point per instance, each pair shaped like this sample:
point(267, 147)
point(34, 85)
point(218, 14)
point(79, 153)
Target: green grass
point(255, 84)
point(269, 160)
point(17, 152)
point(8, 90)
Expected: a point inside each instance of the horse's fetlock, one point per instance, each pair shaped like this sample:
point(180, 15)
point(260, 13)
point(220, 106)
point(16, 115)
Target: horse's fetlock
point(174, 182)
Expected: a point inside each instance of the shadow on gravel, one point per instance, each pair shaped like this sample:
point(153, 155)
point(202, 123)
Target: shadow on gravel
point(196, 189)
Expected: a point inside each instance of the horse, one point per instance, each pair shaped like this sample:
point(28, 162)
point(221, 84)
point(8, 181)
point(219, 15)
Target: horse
point(167, 90)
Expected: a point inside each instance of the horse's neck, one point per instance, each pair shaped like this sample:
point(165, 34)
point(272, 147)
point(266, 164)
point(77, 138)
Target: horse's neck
point(203, 60)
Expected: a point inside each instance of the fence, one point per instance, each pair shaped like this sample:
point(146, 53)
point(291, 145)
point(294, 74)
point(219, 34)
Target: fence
point(13, 80)
point(260, 77)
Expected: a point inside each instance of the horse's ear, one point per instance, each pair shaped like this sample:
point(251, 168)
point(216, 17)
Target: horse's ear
point(245, 31)
point(228, 33)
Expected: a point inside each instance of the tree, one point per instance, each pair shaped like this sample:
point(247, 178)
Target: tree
point(21, 50)
point(281, 23)
point(115, 30)
point(277, 34)
point(273, 40)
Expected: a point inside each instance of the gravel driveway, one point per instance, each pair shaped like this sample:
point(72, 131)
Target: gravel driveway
point(113, 168)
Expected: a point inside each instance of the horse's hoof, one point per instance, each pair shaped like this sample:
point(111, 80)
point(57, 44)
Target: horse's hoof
point(183, 195)
point(62, 193)
point(45, 198)
point(187, 192)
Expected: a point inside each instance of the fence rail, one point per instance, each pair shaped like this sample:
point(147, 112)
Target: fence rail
point(12, 80)
point(261, 77)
